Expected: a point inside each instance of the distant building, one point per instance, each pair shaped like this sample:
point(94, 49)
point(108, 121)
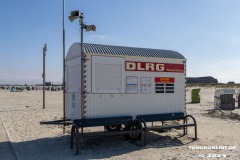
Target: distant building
point(48, 83)
point(231, 82)
point(208, 79)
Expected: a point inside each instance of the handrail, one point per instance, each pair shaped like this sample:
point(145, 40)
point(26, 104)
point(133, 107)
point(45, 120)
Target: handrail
point(195, 124)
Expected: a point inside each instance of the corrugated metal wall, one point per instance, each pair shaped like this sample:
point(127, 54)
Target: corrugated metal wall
point(101, 105)
point(73, 85)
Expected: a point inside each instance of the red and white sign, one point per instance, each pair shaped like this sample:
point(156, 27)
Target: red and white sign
point(164, 80)
point(153, 67)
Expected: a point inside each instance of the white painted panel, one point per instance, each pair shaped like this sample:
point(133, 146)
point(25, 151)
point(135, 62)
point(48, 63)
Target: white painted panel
point(102, 105)
point(73, 87)
point(73, 83)
point(121, 104)
point(108, 77)
point(73, 102)
point(73, 75)
point(107, 74)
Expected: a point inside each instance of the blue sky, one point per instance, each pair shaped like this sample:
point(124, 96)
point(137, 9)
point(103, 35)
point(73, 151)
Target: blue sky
point(206, 32)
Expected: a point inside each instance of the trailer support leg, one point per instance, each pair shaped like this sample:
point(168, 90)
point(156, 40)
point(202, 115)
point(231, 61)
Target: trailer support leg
point(77, 142)
point(72, 133)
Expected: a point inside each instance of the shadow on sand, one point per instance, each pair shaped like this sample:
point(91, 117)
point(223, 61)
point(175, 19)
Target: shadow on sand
point(91, 148)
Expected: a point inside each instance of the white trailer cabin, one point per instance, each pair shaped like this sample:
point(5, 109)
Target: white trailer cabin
point(124, 81)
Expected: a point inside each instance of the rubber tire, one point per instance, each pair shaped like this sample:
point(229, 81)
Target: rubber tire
point(113, 127)
point(132, 136)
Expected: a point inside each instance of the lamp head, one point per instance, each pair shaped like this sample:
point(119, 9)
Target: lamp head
point(74, 15)
point(45, 47)
point(90, 28)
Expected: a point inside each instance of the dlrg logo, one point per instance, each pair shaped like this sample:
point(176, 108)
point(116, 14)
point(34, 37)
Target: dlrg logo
point(144, 66)
point(153, 67)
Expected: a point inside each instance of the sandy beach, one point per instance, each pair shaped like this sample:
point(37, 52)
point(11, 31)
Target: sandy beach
point(21, 113)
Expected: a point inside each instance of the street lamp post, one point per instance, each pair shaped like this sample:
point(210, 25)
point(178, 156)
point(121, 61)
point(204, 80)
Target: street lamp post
point(44, 75)
point(82, 68)
point(74, 15)
point(63, 83)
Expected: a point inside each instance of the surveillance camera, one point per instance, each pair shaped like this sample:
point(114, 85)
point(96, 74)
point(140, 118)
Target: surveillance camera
point(81, 15)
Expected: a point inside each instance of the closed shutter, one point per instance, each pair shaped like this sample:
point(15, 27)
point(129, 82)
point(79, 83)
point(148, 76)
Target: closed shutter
point(107, 74)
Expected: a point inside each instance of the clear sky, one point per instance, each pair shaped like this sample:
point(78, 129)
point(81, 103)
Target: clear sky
point(206, 32)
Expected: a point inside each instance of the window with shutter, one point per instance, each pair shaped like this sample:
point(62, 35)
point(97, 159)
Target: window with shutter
point(107, 74)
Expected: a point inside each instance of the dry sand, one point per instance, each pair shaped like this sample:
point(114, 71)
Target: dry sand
point(21, 113)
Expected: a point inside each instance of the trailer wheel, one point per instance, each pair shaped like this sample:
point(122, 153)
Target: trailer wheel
point(113, 127)
point(131, 136)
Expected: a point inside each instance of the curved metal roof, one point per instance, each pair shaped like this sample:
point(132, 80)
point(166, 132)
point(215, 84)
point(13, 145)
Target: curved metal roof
point(130, 51)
